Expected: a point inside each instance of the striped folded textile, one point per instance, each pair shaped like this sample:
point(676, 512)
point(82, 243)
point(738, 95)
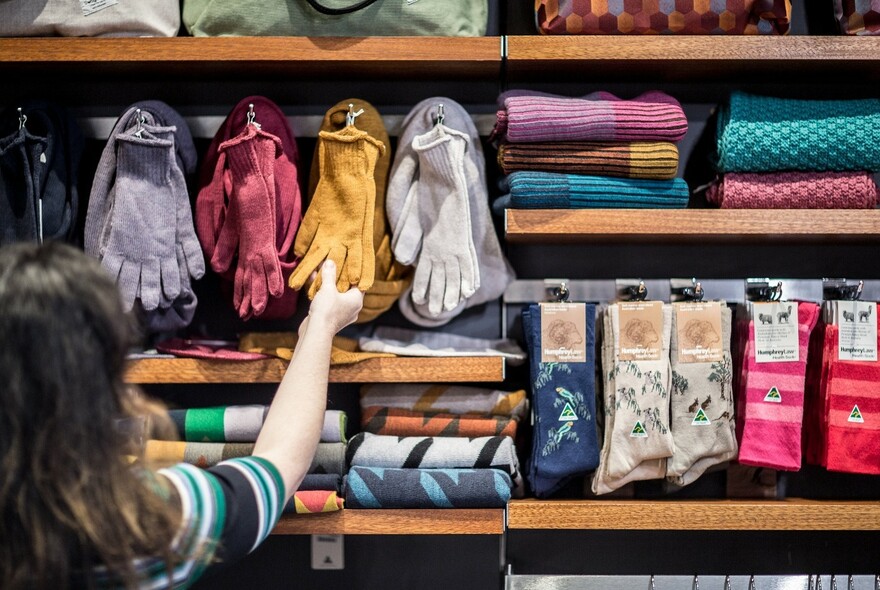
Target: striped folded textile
point(454, 399)
point(766, 134)
point(329, 457)
point(435, 452)
point(242, 423)
point(313, 502)
point(548, 190)
point(321, 481)
point(794, 190)
point(635, 159)
point(377, 487)
point(401, 422)
point(528, 116)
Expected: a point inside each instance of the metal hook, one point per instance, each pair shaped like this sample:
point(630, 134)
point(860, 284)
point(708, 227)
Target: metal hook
point(752, 582)
point(22, 119)
point(251, 116)
point(560, 293)
point(637, 293)
point(651, 583)
point(877, 582)
point(696, 584)
point(140, 122)
point(850, 585)
point(351, 115)
point(833, 582)
point(441, 114)
point(818, 582)
point(810, 584)
point(727, 582)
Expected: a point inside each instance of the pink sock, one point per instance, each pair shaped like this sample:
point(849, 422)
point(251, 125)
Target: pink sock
point(771, 433)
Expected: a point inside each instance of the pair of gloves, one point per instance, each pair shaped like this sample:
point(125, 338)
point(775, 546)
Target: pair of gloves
point(249, 208)
point(139, 220)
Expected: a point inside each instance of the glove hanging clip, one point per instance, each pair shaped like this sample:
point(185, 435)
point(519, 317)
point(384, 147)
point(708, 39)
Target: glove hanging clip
point(22, 119)
point(441, 114)
point(140, 123)
point(251, 116)
point(351, 115)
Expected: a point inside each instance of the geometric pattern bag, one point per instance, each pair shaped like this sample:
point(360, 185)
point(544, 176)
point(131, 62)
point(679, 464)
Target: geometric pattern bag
point(683, 17)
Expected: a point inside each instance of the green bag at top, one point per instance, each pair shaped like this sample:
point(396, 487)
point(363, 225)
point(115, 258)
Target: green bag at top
point(336, 18)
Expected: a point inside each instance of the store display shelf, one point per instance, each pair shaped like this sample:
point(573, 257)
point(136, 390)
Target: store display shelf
point(374, 370)
point(669, 515)
point(692, 57)
point(581, 225)
point(395, 522)
point(330, 56)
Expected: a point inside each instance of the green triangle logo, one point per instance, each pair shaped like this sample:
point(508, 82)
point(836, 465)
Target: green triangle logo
point(701, 419)
point(856, 416)
point(567, 413)
point(639, 431)
point(773, 396)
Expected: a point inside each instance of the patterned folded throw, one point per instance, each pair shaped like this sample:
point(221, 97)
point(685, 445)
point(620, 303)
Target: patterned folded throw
point(547, 190)
point(376, 487)
point(765, 134)
point(313, 501)
point(401, 422)
point(454, 399)
point(635, 159)
point(329, 457)
point(242, 424)
point(794, 190)
point(528, 116)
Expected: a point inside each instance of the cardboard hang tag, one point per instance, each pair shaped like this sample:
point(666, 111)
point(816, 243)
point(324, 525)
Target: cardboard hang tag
point(776, 332)
point(699, 332)
point(563, 333)
point(641, 330)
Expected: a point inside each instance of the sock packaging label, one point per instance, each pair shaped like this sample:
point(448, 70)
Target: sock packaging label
point(563, 333)
point(699, 332)
point(776, 332)
point(641, 327)
point(857, 330)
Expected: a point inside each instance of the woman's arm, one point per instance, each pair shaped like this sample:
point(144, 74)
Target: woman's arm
point(292, 429)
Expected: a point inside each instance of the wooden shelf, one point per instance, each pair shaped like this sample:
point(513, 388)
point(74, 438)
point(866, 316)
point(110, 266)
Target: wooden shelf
point(395, 522)
point(324, 56)
point(696, 57)
point(684, 225)
point(375, 370)
point(751, 515)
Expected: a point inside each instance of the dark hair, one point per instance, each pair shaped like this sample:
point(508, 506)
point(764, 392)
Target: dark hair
point(69, 497)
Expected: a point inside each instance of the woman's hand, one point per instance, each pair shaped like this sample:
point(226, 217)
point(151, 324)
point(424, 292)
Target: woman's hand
point(332, 308)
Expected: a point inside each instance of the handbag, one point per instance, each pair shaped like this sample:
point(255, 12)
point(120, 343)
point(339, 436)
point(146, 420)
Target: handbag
point(684, 17)
point(89, 18)
point(336, 18)
point(858, 17)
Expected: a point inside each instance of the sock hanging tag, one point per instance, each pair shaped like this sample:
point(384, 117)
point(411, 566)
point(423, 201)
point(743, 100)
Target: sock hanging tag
point(776, 332)
point(857, 330)
point(563, 333)
point(699, 332)
point(641, 329)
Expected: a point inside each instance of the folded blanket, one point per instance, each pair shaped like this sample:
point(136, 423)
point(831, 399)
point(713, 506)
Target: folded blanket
point(546, 190)
point(454, 399)
point(764, 134)
point(405, 342)
point(794, 190)
point(329, 457)
point(535, 116)
point(435, 452)
point(400, 422)
point(242, 424)
point(313, 501)
point(635, 159)
point(375, 487)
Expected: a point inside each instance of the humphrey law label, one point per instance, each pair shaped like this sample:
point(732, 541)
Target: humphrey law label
point(699, 332)
point(563, 333)
point(857, 330)
point(641, 330)
point(776, 332)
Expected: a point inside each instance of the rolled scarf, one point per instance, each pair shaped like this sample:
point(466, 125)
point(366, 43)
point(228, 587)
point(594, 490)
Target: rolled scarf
point(242, 424)
point(794, 190)
point(401, 422)
point(546, 190)
point(329, 457)
point(636, 159)
point(766, 134)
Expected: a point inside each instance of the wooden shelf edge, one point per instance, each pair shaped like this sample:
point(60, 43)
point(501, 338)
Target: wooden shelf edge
point(666, 515)
point(579, 225)
point(395, 522)
point(375, 370)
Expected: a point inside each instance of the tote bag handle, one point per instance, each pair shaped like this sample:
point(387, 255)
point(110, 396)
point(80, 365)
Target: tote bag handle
point(338, 11)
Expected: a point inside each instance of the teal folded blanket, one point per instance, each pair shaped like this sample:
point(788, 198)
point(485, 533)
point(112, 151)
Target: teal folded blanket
point(546, 190)
point(765, 134)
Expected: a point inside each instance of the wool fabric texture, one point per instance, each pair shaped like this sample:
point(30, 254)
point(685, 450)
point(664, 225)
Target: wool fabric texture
point(771, 431)
point(377, 487)
point(701, 443)
point(313, 502)
point(435, 452)
point(242, 423)
point(794, 190)
point(406, 342)
point(564, 441)
point(822, 353)
point(402, 422)
point(766, 134)
point(218, 226)
point(453, 399)
point(657, 160)
point(390, 278)
point(548, 190)
point(343, 351)
point(527, 116)
point(329, 457)
point(853, 416)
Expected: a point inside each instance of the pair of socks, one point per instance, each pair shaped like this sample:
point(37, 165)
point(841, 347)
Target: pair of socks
point(637, 440)
point(771, 430)
point(701, 406)
point(439, 215)
point(329, 457)
point(403, 422)
point(242, 423)
point(564, 441)
point(378, 487)
point(454, 399)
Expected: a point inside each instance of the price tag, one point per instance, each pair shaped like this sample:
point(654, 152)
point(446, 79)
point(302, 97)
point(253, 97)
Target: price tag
point(776, 332)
